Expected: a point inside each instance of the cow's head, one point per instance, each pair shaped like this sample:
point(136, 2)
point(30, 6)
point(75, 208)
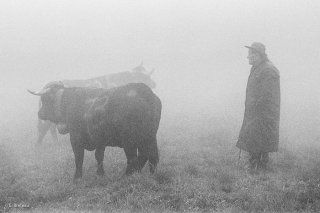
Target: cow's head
point(50, 101)
point(141, 75)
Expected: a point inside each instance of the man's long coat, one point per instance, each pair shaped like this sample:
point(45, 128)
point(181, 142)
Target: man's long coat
point(260, 127)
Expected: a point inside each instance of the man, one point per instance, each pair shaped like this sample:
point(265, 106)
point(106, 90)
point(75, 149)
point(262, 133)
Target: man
point(259, 133)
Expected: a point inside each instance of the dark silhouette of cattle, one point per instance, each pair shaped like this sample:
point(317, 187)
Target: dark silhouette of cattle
point(126, 116)
point(137, 75)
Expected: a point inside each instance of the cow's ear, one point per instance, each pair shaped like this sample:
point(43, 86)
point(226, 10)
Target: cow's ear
point(151, 72)
point(57, 85)
point(61, 83)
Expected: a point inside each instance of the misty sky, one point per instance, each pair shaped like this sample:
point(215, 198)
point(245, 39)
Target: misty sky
point(196, 47)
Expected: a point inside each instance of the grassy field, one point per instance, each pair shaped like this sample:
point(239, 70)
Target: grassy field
point(198, 172)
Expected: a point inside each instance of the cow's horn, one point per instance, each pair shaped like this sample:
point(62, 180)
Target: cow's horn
point(151, 72)
point(61, 83)
point(34, 93)
point(39, 93)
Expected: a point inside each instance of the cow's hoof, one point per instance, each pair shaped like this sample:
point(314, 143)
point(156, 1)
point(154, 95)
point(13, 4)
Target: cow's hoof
point(124, 175)
point(76, 180)
point(152, 168)
point(129, 172)
point(38, 144)
point(100, 172)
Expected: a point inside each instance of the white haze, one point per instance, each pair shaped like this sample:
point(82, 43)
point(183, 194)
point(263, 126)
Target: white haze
point(196, 47)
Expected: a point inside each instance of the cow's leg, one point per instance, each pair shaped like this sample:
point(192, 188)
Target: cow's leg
point(131, 154)
point(53, 131)
point(99, 154)
point(142, 157)
point(153, 155)
point(43, 127)
point(78, 151)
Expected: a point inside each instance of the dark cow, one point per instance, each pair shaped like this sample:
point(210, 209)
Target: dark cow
point(126, 116)
point(137, 75)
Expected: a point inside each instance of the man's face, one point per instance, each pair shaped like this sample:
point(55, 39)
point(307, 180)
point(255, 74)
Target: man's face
point(253, 57)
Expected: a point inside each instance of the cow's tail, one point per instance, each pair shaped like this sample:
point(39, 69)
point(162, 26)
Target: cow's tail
point(153, 151)
point(239, 158)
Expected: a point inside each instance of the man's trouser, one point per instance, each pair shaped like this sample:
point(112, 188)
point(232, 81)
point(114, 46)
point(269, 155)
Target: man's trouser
point(259, 160)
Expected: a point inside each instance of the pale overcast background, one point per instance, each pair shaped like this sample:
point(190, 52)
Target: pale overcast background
point(196, 47)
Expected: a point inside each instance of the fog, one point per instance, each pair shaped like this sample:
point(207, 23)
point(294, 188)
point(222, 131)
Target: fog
point(196, 48)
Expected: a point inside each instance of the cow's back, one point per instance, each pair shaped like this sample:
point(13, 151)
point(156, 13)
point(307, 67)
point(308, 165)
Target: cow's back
point(134, 106)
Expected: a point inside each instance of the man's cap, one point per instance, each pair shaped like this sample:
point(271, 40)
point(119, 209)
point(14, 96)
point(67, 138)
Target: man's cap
point(258, 47)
